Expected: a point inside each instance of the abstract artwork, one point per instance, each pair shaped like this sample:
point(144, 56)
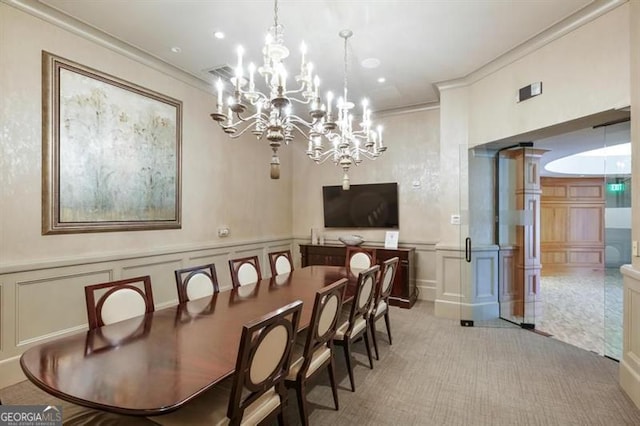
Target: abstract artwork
point(111, 152)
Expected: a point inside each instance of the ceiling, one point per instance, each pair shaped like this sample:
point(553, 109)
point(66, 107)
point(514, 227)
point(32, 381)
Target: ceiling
point(417, 43)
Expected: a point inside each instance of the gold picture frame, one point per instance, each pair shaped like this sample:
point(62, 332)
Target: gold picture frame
point(111, 157)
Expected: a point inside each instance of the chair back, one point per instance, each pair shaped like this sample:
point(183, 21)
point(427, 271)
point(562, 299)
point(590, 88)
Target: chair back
point(118, 300)
point(359, 258)
point(387, 276)
point(263, 360)
point(364, 295)
point(196, 282)
point(245, 270)
point(280, 262)
point(324, 320)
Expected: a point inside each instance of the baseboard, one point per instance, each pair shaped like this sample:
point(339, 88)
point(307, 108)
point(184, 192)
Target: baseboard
point(630, 382)
point(427, 292)
point(10, 372)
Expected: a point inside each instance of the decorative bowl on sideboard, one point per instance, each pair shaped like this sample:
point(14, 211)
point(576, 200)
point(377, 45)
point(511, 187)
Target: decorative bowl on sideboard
point(351, 240)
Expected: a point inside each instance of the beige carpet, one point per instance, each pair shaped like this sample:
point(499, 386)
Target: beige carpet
point(438, 373)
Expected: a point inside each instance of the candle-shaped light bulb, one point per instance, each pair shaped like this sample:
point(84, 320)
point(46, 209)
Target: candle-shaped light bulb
point(303, 51)
point(316, 83)
point(329, 101)
point(230, 113)
point(380, 136)
point(309, 72)
point(220, 88)
point(239, 67)
point(252, 70)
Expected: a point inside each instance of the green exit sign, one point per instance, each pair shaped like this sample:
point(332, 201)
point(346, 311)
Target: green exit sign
point(615, 187)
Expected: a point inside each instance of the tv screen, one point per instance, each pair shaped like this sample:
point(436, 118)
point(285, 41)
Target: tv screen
point(362, 206)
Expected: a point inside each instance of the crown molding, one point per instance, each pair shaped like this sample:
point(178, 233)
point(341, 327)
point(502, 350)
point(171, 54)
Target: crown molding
point(407, 109)
point(585, 15)
point(79, 28)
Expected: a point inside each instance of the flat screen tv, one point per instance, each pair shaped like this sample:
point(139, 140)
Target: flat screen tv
point(363, 206)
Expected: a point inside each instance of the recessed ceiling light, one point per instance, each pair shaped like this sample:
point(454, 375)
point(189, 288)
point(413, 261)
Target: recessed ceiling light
point(219, 35)
point(371, 63)
point(176, 49)
point(381, 79)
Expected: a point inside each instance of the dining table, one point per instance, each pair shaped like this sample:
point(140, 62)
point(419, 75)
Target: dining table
point(153, 364)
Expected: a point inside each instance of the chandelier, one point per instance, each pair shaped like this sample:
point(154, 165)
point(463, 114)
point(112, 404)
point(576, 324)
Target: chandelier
point(273, 118)
point(348, 146)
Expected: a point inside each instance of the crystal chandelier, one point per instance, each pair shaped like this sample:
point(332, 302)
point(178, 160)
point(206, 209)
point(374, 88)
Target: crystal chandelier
point(273, 118)
point(348, 146)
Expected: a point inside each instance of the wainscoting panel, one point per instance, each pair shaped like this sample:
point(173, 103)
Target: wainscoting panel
point(45, 301)
point(160, 269)
point(53, 306)
point(630, 362)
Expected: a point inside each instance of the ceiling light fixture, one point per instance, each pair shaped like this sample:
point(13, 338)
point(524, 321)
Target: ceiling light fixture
point(274, 118)
point(381, 80)
point(219, 35)
point(348, 146)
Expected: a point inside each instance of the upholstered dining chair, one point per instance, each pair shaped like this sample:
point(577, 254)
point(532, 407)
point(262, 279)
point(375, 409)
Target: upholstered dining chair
point(256, 393)
point(358, 259)
point(280, 262)
point(318, 347)
point(245, 270)
point(196, 282)
point(356, 323)
point(118, 300)
point(380, 306)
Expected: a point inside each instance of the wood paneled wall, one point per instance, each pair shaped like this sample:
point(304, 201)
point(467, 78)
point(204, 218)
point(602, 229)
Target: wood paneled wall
point(572, 219)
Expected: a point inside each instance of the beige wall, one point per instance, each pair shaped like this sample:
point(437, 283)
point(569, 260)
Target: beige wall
point(412, 157)
point(215, 168)
point(584, 72)
point(630, 362)
point(224, 182)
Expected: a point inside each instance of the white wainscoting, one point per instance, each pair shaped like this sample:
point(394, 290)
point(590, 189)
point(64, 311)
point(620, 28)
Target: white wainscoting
point(464, 290)
point(630, 362)
point(46, 301)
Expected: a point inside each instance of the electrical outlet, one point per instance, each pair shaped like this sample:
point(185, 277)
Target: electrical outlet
point(223, 232)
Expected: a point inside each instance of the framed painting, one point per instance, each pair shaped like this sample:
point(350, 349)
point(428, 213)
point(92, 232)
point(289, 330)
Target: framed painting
point(111, 152)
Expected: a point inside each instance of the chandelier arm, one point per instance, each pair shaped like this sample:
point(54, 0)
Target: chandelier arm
point(297, 119)
point(323, 157)
point(300, 101)
point(236, 135)
point(295, 126)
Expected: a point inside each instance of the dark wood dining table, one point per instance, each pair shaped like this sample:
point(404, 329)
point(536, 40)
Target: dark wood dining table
point(153, 364)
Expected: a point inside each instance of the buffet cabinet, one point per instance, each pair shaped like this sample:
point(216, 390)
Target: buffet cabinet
point(404, 289)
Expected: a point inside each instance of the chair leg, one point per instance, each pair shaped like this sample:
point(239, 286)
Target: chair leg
point(347, 354)
point(368, 345)
point(301, 393)
point(282, 419)
point(332, 379)
point(372, 321)
point(386, 320)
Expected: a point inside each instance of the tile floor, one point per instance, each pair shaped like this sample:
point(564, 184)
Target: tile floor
point(584, 310)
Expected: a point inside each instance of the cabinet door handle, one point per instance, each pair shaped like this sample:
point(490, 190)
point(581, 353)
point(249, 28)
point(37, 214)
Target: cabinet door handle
point(467, 249)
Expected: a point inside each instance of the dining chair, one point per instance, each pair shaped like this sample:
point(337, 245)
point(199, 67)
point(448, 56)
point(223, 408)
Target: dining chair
point(196, 282)
point(318, 347)
point(256, 393)
point(280, 262)
point(380, 306)
point(356, 324)
point(245, 270)
point(118, 300)
point(358, 259)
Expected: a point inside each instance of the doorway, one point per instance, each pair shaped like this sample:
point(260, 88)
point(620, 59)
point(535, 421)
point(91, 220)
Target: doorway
point(599, 287)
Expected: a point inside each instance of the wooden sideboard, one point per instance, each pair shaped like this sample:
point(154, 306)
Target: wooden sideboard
point(404, 292)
